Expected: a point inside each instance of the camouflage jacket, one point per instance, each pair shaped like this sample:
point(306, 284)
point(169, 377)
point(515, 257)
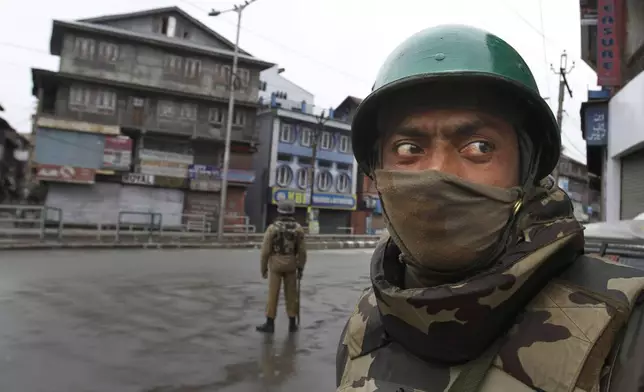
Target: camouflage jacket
point(290, 253)
point(562, 321)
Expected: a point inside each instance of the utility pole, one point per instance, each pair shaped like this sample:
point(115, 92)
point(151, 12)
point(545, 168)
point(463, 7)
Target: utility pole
point(317, 132)
point(229, 120)
point(563, 84)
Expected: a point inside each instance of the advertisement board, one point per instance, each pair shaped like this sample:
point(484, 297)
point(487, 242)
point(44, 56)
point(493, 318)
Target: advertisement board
point(117, 153)
point(69, 174)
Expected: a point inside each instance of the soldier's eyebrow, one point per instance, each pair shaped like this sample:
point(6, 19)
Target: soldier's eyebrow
point(463, 129)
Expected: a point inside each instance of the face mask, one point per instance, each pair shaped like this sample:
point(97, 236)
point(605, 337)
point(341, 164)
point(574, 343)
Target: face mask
point(442, 222)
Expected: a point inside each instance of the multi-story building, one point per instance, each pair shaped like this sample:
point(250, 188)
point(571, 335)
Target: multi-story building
point(14, 149)
point(368, 217)
point(612, 118)
point(573, 179)
point(135, 118)
point(287, 131)
point(275, 87)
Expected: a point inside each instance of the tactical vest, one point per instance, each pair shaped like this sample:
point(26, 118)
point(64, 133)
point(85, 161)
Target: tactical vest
point(560, 343)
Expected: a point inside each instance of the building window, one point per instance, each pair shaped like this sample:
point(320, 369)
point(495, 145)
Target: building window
point(343, 183)
point(79, 97)
point(92, 100)
point(108, 52)
point(84, 48)
point(167, 109)
point(303, 178)
point(325, 141)
point(168, 26)
point(344, 143)
point(286, 133)
point(239, 118)
point(173, 64)
point(325, 180)
point(188, 112)
point(224, 74)
point(284, 176)
point(262, 85)
point(244, 78)
point(305, 137)
point(192, 68)
point(216, 116)
point(106, 100)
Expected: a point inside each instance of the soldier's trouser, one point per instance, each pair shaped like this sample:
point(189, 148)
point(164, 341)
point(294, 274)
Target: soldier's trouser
point(290, 292)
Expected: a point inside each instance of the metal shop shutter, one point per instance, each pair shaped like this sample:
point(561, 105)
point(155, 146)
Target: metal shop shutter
point(85, 204)
point(168, 202)
point(632, 185)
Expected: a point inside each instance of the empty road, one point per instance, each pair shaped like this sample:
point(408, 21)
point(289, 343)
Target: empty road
point(167, 321)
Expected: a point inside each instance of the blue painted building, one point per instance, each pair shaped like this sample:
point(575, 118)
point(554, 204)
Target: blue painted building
point(286, 136)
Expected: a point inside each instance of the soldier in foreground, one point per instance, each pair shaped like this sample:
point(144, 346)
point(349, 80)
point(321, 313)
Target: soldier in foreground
point(482, 284)
point(283, 257)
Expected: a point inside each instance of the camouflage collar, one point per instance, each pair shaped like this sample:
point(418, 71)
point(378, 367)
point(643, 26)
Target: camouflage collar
point(454, 323)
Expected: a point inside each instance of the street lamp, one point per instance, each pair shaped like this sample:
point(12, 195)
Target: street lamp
point(229, 120)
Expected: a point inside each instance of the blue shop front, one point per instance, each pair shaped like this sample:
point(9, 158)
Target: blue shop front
point(334, 209)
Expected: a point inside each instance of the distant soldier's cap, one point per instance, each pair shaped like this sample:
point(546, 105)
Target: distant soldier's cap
point(286, 207)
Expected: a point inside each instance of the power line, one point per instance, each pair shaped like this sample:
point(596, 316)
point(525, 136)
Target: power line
point(543, 46)
point(287, 48)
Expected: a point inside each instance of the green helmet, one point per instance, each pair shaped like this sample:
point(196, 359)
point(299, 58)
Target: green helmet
point(451, 53)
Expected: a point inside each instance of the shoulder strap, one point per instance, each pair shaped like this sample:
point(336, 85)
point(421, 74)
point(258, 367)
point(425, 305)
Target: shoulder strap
point(473, 373)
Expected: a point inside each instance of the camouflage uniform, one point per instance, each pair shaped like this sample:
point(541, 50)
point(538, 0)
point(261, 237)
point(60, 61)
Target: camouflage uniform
point(283, 253)
point(542, 317)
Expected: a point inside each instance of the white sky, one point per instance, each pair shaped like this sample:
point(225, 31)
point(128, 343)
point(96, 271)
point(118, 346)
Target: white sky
point(332, 48)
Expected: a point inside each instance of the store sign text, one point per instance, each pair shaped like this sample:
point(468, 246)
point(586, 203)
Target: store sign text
point(608, 50)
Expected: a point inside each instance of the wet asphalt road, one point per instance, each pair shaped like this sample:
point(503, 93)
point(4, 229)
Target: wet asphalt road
point(167, 321)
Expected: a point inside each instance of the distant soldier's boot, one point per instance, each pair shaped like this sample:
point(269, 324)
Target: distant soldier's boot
point(292, 324)
point(268, 326)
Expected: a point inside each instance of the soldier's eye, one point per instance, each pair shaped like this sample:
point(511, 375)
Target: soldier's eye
point(478, 148)
point(407, 149)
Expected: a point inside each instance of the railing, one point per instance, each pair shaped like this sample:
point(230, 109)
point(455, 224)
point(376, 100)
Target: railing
point(24, 220)
point(241, 224)
point(133, 226)
point(148, 224)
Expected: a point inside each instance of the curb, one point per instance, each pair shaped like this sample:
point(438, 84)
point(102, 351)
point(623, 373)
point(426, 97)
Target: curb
point(318, 245)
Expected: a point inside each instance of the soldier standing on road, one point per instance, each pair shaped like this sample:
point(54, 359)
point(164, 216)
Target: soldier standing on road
point(482, 284)
point(283, 257)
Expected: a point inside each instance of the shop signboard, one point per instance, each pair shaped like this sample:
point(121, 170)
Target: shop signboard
point(608, 46)
point(320, 200)
point(117, 153)
point(203, 172)
point(170, 182)
point(164, 168)
point(154, 155)
point(138, 179)
point(69, 174)
point(164, 163)
point(205, 185)
point(596, 124)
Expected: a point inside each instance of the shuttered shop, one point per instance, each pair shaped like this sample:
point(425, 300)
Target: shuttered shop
point(101, 203)
point(85, 204)
point(632, 185)
point(167, 202)
point(198, 203)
